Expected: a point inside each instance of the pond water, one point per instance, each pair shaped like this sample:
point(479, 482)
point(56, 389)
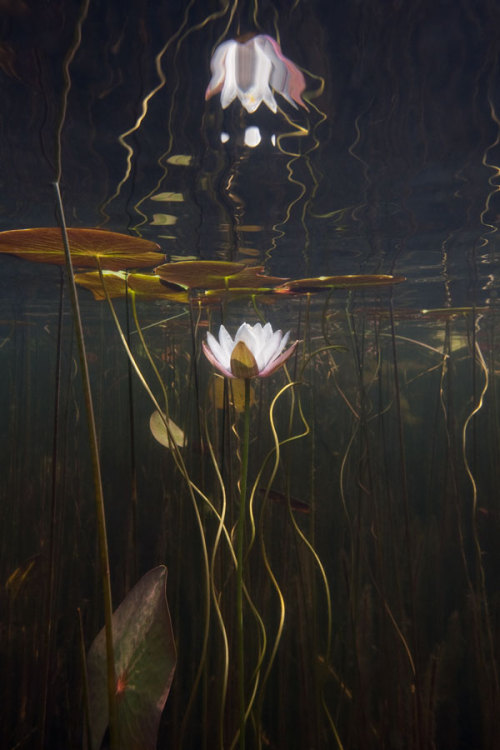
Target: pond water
point(346, 594)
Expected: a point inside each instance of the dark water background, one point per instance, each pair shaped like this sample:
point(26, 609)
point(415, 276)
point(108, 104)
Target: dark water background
point(396, 170)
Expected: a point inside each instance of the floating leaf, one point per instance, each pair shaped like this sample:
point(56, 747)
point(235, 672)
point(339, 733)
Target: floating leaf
point(164, 219)
point(160, 432)
point(203, 274)
point(253, 277)
point(213, 296)
point(216, 274)
point(351, 281)
point(149, 285)
point(115, 283)
point(143, 284)
point(88, 246)
point(145, 660)
point(168, 197)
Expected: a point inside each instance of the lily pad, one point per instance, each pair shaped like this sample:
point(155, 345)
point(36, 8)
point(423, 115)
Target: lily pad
point(115, 281)
point(145, 659)
point(143, 284)
point(213, 296)
point(150, 285)
point(160, 433)
point(351, 281)
point(216, 274)
point(202, 274)
point(115, 251)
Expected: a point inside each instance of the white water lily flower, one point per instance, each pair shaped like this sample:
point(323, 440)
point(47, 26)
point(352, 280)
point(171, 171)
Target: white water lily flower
point(251, 71)
point(256, 351)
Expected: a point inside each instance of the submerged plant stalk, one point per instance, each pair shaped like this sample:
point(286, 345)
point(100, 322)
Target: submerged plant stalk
point(99, 496)
point(239, 557)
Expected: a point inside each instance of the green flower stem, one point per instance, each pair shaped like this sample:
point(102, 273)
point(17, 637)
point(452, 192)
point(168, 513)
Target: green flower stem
point(239, 557)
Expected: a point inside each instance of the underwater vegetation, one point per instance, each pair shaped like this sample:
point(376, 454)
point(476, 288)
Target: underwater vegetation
point(301, 559)
point(249, 479)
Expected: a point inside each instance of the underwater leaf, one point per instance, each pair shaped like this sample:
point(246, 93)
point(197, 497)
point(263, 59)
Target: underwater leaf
point(145, 659)
point(115, 251)
point(235, 390)
point(217, 274)
point(159, 431)
point(351, 281)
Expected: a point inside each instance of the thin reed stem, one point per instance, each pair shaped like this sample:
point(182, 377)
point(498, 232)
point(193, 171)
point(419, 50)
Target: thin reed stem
point(239, 556)
point(99, 495)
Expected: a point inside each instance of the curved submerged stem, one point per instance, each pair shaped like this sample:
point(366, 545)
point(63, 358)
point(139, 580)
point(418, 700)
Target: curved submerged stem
point(192, 489)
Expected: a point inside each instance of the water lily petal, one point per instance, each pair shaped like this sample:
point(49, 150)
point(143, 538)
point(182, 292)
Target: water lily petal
point(286, 77)
point(230, 88)
point(276, 363)
point(281, 346)
point(268, 330)
point(218, 68)
point(215, 362)
point(227, 345)
point(246, 334)
point(271, 349)
point(256, 351)
point(218, 351)
point(251, 71)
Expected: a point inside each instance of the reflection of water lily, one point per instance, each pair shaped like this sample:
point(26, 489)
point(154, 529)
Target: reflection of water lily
point(251, 71)
point(256, 351)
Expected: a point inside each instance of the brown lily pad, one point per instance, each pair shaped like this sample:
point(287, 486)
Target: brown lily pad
point(115, 282)
point(144, 285)
point(351, 281)
point(88, 247)
point(216, 274)
point(212, 296)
